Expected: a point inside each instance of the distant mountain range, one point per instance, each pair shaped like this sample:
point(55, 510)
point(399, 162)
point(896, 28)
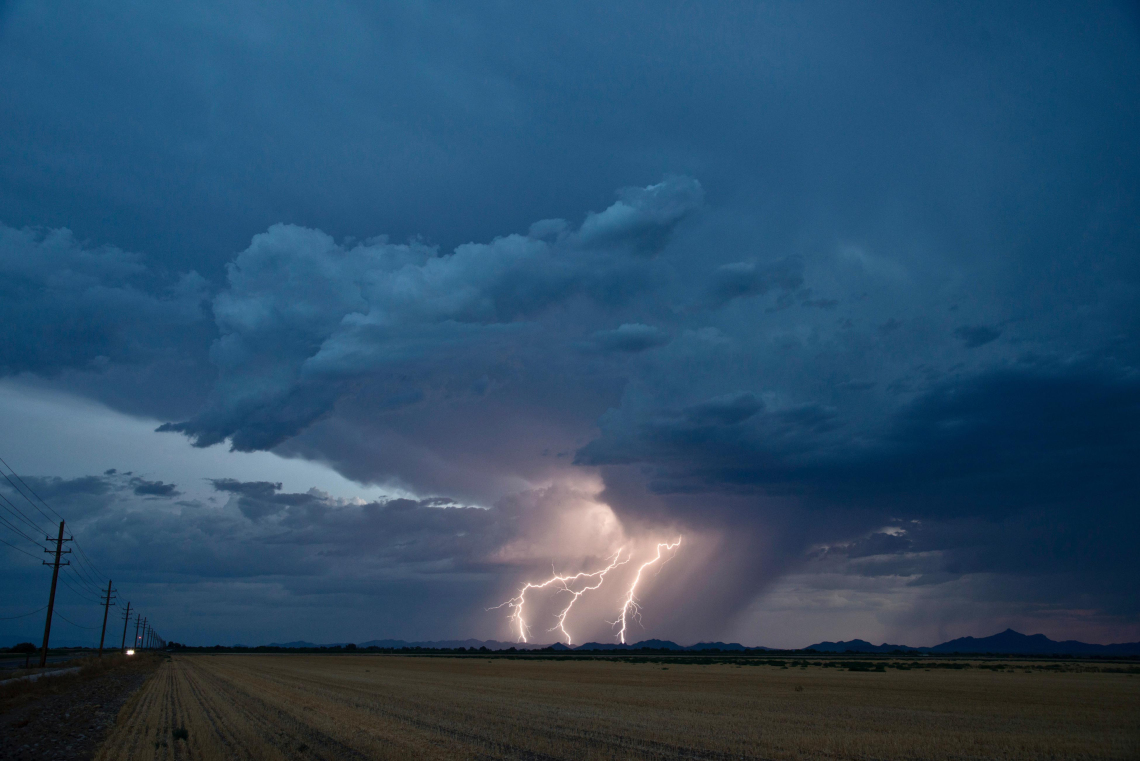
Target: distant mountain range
point(1008, 642)
point(443, 644)
point(664, 644)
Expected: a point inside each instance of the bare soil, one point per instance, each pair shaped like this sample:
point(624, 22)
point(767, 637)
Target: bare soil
point(68, 716)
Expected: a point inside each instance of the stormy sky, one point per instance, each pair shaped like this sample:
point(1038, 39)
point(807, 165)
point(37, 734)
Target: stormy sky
point(341, 321)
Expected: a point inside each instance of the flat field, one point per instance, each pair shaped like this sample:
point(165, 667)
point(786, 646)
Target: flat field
point(381, 706)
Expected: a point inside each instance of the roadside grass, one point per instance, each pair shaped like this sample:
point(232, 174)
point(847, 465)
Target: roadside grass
point(15, 693)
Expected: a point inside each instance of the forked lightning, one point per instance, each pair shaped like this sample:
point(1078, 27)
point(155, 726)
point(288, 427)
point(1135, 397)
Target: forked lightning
point(517, 602)
point(631, 608)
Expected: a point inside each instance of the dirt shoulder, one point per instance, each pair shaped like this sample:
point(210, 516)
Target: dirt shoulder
point(66, 717)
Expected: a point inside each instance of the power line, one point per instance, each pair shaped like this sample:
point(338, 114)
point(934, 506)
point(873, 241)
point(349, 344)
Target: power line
point(22, 615)
point(75, 543)
point(19, 515)
point(11, 508)
point(82, 593)
point(41, 499)
point(77, 626)
point(84, 580)
point(14, 529)
point(18, 531)
point(17, 549)
point(84, 575)
point(4, 497)
point(25, 496)
point(85, 562)
point(85, 585)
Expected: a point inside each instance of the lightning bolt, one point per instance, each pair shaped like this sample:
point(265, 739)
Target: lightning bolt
point(565, 588)
point(516, 603)
point(631, 609)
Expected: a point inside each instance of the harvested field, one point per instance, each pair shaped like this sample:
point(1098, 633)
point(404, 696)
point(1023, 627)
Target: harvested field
point(363, 707)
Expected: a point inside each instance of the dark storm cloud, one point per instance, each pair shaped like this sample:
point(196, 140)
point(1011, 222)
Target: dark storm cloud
point(67, 305)
point(630, 338)
point(1024, 472)
point(260, 499)
point(722, 411)
point(643, 217)
point(1000, 441)
point(742, 279)
point(303, 318)
point(65, 488)
point(145, 488)
point(903, 289)
point(874, 545)
point(976, 335)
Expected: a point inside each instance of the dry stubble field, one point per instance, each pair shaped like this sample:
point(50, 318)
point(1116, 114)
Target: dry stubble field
point(355, 707)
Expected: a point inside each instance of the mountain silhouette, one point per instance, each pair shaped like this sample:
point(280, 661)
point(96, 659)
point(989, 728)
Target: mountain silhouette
point(1008, 642)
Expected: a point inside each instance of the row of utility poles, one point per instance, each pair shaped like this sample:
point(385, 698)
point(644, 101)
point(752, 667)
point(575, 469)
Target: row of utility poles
point(147, 639)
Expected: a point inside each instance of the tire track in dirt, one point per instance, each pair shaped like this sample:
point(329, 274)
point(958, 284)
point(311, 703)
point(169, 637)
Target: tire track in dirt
point(210, 730)
point(222, 721)
point(266, 721)
point(334, 696)
point(129, 732)
point(306, 707)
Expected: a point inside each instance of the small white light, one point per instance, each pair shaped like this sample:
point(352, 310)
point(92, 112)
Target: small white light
point(130, 652)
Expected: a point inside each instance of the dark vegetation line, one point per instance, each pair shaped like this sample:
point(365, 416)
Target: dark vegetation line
point(862, 662)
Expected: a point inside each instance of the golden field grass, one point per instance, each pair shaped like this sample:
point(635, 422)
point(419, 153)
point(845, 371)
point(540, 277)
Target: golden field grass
point(364, 707)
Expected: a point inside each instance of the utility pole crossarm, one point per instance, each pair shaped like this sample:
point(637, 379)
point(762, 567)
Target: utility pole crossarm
point(59, 540)
point(107, 598)
point(126, 622)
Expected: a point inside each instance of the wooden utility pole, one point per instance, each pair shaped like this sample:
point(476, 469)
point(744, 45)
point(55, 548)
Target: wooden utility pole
point(138, 622)
point(106, 608)
point(126, 620)
point(51, 597)
point(142, 642)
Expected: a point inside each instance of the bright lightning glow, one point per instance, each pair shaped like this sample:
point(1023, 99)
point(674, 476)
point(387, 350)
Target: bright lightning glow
point(601, 575)
point(631, 608)
point(517, 602)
